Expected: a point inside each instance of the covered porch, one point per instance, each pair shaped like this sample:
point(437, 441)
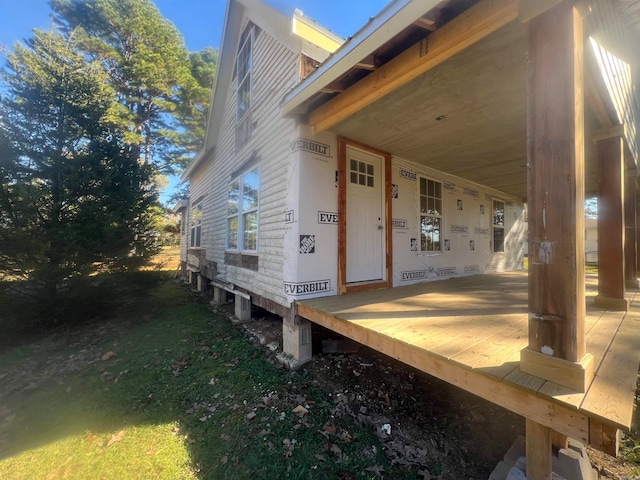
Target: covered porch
point(537, 100)
point(470, 331)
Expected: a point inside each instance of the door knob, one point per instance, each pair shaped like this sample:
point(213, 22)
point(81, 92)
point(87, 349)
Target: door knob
point(380, 227)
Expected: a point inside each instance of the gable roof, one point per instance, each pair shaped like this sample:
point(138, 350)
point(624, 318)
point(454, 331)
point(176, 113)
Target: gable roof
point(276, 24)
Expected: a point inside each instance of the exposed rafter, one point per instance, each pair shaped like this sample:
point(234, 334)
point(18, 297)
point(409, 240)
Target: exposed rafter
point(465, 30)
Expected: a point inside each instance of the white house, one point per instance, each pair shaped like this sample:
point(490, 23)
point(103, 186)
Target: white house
point(264, 215)
point(360, 170)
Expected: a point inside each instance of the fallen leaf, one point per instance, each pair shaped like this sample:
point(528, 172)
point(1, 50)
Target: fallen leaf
point(251, 415)
point(330, 429)
point(91, 437)
point(108, 355)
point(377, 469)
point(116, 437)
point(224, 460)
point(300, 410)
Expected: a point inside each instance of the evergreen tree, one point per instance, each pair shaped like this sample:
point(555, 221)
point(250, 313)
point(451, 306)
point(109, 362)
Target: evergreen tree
point(74, 199)
point(163, 91)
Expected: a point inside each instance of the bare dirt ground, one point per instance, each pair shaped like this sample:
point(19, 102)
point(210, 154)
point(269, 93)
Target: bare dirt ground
point(433, 425)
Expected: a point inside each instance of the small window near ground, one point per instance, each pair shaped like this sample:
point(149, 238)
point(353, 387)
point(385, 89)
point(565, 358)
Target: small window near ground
point(498, 226)
point(196, 225)
point(430, 215)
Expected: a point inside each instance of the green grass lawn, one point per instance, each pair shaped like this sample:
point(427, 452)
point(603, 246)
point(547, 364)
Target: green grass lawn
point(184, 395)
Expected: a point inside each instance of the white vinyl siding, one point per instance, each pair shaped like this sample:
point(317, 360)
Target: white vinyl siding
point(274, 70)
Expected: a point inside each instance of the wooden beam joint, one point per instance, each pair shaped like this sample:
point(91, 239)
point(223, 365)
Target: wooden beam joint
point(614, 131)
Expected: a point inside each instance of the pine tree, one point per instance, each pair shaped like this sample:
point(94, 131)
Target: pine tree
point(74, 199)
point(163, 91)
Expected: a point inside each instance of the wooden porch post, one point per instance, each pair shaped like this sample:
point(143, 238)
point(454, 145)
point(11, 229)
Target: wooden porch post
point(555, 194)
point(611, 276)
point(630, 240)
point(555, 191)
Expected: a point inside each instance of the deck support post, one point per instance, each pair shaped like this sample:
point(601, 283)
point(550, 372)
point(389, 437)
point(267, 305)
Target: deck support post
point(242, 308)
point(296, 341)
point(630, 240)
point(219, 296)
point(539, 453)
point(611, 231)
point(604, 437)
point(555, 192)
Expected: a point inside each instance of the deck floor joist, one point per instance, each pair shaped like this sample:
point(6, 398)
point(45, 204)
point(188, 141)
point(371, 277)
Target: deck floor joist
point(469, 332)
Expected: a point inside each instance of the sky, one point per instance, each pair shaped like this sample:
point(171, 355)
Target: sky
point(199, 21)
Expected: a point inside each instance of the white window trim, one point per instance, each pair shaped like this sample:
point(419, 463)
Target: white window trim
point(249, 73)
point(194, 224)
point(241, 214)
point(494, 227)
point(420, 215)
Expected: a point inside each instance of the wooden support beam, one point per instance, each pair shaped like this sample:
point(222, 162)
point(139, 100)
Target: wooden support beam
point(468, 28)
point(630, 240)
point(611, 276)
point(539, 453)
point(604, 437)
point(426, 23)
point(559, 441)
point(527, 403)
point(370, 62)
point(611, 131)
point(555, 185)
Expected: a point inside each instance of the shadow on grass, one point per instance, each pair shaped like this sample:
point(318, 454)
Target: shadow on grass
point(199, 386)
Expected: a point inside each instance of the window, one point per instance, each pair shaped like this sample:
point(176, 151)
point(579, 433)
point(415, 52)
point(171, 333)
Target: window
point(361, 173)
point(196, 225)
point(244, 64)
point(498, 226)
point(430, 215)
point(242, 212)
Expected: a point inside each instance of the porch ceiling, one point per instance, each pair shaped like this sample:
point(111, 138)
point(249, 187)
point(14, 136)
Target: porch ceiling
point(466, 117)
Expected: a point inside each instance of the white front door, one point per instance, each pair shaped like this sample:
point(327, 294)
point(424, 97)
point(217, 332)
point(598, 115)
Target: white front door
point(365, 217)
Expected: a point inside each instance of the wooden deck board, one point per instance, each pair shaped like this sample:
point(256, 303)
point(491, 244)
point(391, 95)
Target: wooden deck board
point(470, 331)
point(615, 382)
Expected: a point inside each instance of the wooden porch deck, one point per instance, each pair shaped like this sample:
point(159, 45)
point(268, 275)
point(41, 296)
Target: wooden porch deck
point(469, 332)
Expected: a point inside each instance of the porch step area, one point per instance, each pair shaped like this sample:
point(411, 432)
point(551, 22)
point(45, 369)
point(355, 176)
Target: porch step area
point(570, 463)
